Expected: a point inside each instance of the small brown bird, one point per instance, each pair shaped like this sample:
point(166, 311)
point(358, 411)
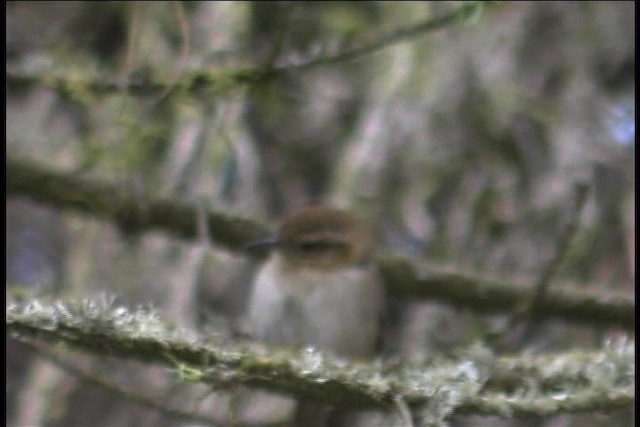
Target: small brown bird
point(318, 288)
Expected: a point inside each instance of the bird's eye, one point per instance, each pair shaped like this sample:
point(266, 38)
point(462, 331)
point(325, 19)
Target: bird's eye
point(311, 247)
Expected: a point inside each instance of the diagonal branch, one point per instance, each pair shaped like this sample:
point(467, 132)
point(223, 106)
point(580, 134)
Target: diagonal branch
point(382, 42)
point(562, 247)
point(223, 79)
point(402, 277)
point(479, 384)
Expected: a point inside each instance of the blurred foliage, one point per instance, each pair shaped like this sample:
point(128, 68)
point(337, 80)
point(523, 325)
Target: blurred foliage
point(462, 146)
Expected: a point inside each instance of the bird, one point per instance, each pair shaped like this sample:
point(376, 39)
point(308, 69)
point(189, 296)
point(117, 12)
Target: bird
point(319, 287)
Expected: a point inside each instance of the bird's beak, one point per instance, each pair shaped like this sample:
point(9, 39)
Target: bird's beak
point(265, 242)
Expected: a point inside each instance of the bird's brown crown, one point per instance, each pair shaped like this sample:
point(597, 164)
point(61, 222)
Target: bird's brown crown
point(323, 237)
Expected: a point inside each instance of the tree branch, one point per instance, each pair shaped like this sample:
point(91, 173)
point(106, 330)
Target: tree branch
point(538, 298)
point(488, 295)
point(381, 42)
point(113, 203)
point(210, 82)
point(223, 79)
point(478, 384)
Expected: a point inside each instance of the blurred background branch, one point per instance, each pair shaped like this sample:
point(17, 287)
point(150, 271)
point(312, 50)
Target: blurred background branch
point(68, 191)
point(115, 203)
point(217, 81)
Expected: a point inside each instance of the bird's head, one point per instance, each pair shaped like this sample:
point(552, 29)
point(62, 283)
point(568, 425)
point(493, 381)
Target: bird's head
point(322, 237)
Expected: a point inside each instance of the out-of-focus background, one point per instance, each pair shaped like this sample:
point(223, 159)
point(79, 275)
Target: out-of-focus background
point(463, 147)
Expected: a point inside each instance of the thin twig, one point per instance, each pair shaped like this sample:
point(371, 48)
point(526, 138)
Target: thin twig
point(133, 30)
point(400, 35)
point(562, 248)
point(403, 411)
point(183, 25)
point(281, 36)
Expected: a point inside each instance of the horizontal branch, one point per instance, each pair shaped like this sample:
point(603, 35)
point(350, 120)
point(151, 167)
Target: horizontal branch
point(488, 295)
point(124, 208)
point(194, 82)
point(403, 278)
point(547, 385)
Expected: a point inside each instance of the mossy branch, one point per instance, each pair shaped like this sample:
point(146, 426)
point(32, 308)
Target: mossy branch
point(479, 383)
point(199, 82)
point(402, 277)
point(221, 80)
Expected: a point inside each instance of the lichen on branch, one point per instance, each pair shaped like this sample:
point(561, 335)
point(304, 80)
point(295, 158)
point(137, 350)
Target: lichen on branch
point(477, 383)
